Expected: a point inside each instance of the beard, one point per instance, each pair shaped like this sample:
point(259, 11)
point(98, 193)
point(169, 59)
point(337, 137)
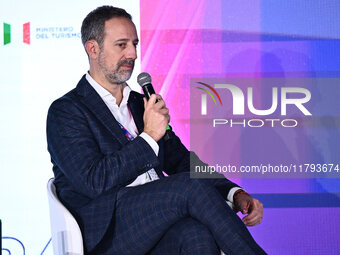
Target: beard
point(115, 75)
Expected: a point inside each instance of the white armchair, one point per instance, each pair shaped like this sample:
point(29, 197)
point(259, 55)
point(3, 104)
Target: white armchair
point(66, 236)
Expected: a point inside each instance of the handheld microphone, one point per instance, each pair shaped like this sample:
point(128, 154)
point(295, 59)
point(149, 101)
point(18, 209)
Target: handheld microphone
point(144, 80)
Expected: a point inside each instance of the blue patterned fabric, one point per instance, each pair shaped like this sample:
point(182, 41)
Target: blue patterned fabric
point(151, 173)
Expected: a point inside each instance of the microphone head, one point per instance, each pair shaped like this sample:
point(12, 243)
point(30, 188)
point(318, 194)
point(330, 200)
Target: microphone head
point(143, 79)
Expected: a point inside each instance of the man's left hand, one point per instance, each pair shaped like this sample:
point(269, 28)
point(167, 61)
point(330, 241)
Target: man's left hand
point(251, 206)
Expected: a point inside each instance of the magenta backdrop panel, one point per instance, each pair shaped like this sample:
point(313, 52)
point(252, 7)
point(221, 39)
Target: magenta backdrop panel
point(194, 39)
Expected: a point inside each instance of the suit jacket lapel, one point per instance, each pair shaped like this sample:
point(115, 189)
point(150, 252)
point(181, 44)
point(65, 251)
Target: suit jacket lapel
point(136, 106)
point(95, 104)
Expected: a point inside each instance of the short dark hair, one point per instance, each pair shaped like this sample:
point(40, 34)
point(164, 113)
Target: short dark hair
point(93, 26)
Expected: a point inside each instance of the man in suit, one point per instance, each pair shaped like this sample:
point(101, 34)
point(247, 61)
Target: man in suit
point(108, 152)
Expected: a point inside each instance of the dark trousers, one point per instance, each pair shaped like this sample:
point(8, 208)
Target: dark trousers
point(175, 215)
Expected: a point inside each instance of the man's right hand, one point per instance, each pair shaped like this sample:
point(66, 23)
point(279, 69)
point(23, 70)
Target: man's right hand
point(156, 117)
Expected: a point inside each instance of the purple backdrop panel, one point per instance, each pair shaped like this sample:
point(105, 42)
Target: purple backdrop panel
point(185, 40)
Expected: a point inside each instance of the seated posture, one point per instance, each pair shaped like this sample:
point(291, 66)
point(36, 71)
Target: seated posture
point(108, 152)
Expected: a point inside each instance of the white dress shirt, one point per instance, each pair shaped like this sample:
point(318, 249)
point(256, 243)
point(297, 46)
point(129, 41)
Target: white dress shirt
point(123, 115)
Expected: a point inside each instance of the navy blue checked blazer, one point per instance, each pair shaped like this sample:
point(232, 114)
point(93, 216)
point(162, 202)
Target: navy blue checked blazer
point(92, 159)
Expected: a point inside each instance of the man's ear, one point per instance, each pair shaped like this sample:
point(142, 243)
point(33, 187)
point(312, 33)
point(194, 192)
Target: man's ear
point(92, 49)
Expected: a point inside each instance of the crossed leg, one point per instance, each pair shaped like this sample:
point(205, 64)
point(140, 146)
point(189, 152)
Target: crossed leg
point(145, 213)
point(186, 237)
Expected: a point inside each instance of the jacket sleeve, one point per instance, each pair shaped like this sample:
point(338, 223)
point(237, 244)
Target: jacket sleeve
point(76, 148)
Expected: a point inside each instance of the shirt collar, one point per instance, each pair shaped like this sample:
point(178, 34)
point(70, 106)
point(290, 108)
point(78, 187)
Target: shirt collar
point(105, 94)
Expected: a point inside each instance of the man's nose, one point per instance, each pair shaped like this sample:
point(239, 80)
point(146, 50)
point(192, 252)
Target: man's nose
point(131, 52)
